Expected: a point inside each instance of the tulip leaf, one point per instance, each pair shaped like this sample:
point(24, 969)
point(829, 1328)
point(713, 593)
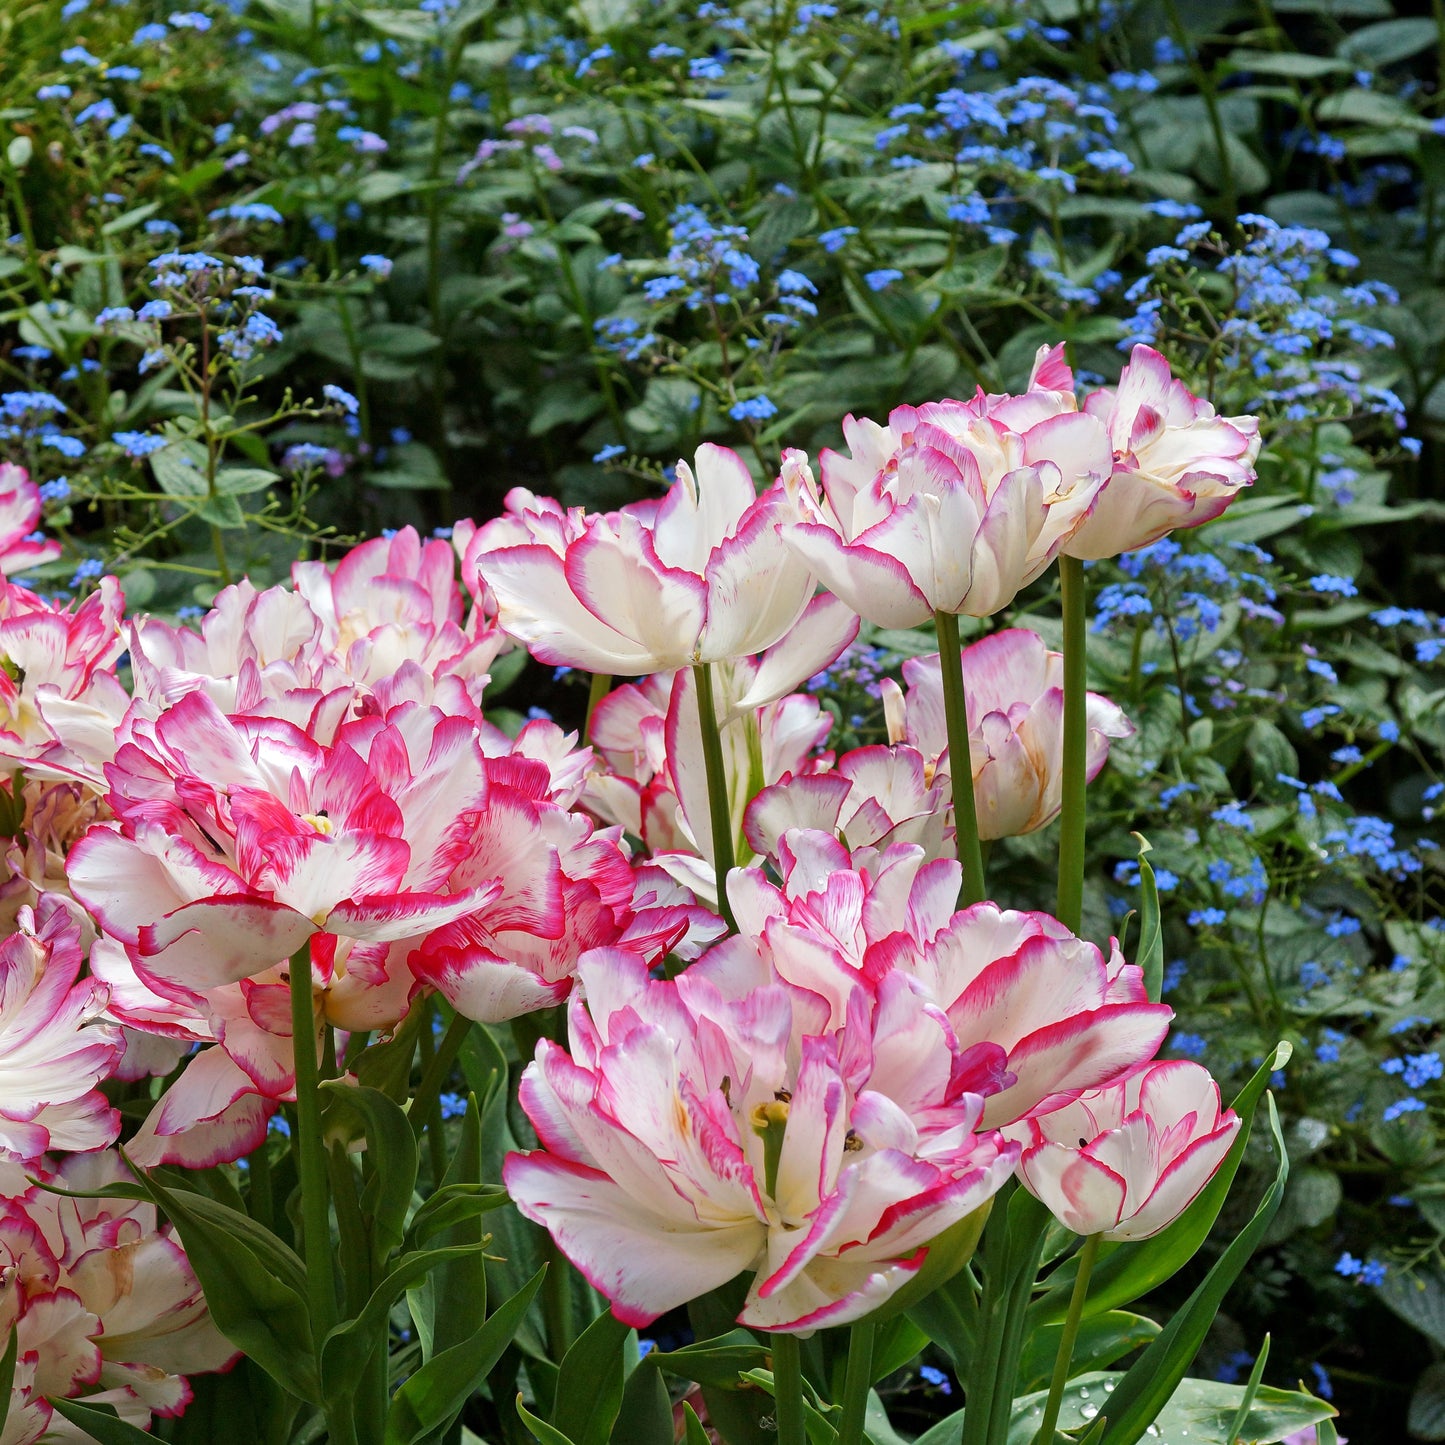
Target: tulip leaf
point(646, 1414)
point(1102, 1339)
point(1150, 953)
point(1200, 1412)
point(946, 1432)
point(391, 1159)
point(1251, 1389)
point(819, 1429)
point(387, 1065)
point(101, 1422)
point(716, 1362)
point(450, 1304)
point(589, 1385)
point(346, 1350)
point(541, 1430)
point(896, 1343)
point(696, 1435)
point(1127, 1271)
point(254, 1284)
point(1154, 1376)
point(428, 1401)
point(949, 1316)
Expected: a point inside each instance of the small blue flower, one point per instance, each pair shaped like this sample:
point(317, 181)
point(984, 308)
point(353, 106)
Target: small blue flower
point(611, 450)
point(343, 399)
point(883, 278)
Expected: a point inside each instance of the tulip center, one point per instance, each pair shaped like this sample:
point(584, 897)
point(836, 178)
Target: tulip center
point(321, 821)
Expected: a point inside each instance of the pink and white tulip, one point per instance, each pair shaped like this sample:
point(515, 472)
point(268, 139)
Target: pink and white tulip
point(1127, 1160)
point(20, 509)
point(702, 576)
point(1175, 463)
point(238, 839)
point(54, 1049)
point(1039, 1013)
point(654, 1177)
point(103, 1302)
point(1014, 695)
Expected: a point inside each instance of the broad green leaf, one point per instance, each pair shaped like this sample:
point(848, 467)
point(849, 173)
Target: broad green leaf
point(244, 1403)
point(1127, 1271)
point(1152, 1380)
point(254, 1285)
point(1427, 1404)
point(589, 1387)
point(645, 1417)
point(391, 1160)
point(1289, 63)
point(237, 481)
point(1387, 42)
point(1419, 1299)
point(101, 1422)
point(386, 1064)
point(1200, 1412)
point(1102, 1340)
point(431, 1399)
point(897, 1342)
point(717, 1362)
point(451, 1205)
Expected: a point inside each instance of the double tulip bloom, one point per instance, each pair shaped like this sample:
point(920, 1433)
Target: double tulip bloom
point(1127, 1160)
point(704, 575)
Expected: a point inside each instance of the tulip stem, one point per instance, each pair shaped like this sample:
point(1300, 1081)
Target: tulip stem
point(960, 760)
point(1076, 738)
point(857, 1382)
point(434, 1072)
point(788, 1390)
point(1065, 1357)
point(601, 686)
point(719, 813)
point(310, 1152)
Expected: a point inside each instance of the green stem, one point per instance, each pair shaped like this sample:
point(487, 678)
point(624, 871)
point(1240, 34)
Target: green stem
point(1076, 737)
point(857, 1382)
point(600, 687)
point(435, 1073)
point(717, 789)
point(310, 1151)
point(1065, 1357)
point(960, 760)
point(426, 1048)
point(788, 1390)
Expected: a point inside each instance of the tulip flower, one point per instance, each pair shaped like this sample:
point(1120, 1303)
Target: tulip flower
point(1014, 696)
point(694, 1134)
point(1127, 1160)
point(20, 508)
point(238, 839)
point(1176, 464)
point(1040, 1014)
point(102, 1299)
point(54, 1050)
point(702, 576)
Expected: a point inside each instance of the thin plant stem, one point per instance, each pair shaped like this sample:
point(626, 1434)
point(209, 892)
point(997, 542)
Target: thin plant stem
point(310, 1151)
point(1065, 1358)
point(1076, 737)
point(556, 1299)
point(856, 1382)
point(717, 789)
point(788, 1390)
point(601, 685)
point(960, 760)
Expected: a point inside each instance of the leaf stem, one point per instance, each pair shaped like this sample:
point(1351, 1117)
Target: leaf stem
point(857, 1382)
point(310, 1152)
point(600, 686)
point(435, 1073)
point(1062, 1361)
point(1070, 908)
point(960, 760)
point(788, 1390)
point(719, 813)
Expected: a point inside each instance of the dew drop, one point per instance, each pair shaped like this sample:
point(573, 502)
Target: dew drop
point(1108, 1387)
point(1089, 1411)
point(1152, 1430)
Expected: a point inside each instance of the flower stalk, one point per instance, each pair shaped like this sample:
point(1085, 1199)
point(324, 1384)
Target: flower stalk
point(960, 760)
point(1065, 1358)
point(1070, 908)
point(719, 813)
point(856, 1382)
point(310, 1151)
point(788, 1390)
